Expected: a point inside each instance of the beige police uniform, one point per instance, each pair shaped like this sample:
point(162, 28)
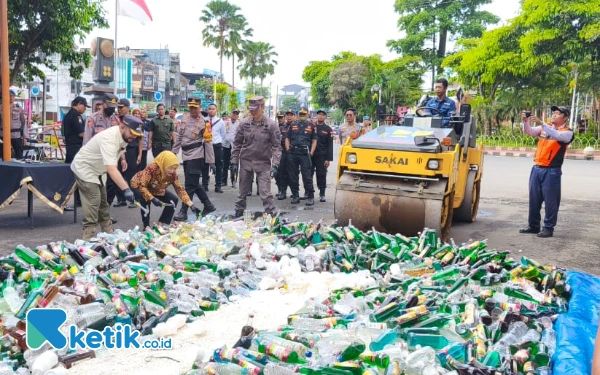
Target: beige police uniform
point(97, 122)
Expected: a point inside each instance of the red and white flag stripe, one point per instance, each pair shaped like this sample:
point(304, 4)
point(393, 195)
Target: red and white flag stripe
point(136, 9)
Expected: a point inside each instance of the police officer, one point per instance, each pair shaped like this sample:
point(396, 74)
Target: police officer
point(282, 172)
point(17, 127)
point(257, 149)
point(323, 155)
point(103, 119)
point(301, 142)
point(196, 144)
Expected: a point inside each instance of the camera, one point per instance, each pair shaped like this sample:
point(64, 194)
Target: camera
point(528, 114)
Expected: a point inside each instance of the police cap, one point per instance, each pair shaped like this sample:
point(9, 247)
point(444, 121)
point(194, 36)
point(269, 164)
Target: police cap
point(193, 102)
point(256, 102)
point(303, 110)
point(280, 114)
point(124, 103)
point(322, 111)
point(290, 112)
point(134, 124)
point(110, 100)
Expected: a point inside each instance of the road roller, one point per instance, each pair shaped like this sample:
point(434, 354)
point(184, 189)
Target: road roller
point(422, 174)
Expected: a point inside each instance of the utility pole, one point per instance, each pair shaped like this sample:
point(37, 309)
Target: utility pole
point(270, 95)
point(574, 96)
point(5, 75)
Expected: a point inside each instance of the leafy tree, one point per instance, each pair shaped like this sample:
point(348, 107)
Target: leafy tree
point(429, 24)
point(255, 89)
point(204, 85)
point(233, 102)
point(39, 29)
point(290, 102)
point(347, 80)
point(317, 73)
point(221, 19)
point(221, 90)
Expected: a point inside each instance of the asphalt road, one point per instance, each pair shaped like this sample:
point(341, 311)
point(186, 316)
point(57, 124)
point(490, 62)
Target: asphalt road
point(503, 210)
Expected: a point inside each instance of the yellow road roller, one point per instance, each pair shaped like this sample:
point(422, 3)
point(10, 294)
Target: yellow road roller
point(401, 179)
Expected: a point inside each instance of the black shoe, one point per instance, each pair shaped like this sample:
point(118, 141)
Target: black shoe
point(132, 205)
point(322, 198)
point(120, 204)
point(68, 209)
point(238, 213)
point(218, 189)
point(281, 196)
point(304, 197)
point(205, 188)
point(295, 200)
point(208, 208)
point(310, 201)
point(249, 194)
point(233, 184)
point(545, 233)
point(113, 220)
point(529, 230)
point(182, 214)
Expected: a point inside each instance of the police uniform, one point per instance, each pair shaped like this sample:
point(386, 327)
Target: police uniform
point(17, 129)
point(195, 142)
point(545, 177)
point(301, 137)
point(323, 153)
point(257, 149)
point(282, 179)
point(99, 121)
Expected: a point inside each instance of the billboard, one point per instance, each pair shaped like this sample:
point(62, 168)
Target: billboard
point(148, 80)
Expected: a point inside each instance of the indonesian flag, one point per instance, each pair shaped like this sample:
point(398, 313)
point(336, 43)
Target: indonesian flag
point(136, 9)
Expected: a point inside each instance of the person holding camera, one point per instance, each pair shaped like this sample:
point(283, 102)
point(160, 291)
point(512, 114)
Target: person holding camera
point(545, 178)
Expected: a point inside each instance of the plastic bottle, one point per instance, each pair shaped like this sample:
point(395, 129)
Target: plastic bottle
point(44, 362)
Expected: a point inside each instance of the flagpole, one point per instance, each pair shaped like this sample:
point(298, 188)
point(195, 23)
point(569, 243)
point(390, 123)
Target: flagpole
point(116, 71)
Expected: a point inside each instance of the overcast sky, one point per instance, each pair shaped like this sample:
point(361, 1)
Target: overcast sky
point(301, 31)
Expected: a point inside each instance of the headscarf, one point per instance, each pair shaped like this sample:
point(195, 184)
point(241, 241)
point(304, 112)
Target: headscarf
point(164, 160)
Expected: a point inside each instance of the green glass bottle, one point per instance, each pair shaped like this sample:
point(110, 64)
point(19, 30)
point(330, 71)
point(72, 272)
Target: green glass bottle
point(208, 305)
point(152, 296)
point(28, 255)
point(352, 351)
point(380, 360)
point(376, 237)
point(281, 353)
point(385, 313)
point(446, 274)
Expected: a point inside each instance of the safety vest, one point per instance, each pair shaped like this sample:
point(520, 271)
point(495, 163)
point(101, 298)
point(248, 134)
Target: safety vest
point(550, 152)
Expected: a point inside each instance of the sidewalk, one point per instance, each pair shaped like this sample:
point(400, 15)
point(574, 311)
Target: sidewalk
point(529, 152)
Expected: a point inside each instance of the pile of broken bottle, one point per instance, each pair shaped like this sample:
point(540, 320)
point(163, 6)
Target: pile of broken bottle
point(418, 306)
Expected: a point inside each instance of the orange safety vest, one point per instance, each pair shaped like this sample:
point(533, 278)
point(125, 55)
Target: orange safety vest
point(550, 152)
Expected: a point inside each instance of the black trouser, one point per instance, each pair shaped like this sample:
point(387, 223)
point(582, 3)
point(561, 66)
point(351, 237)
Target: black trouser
point(192, 170)
point(205, 175)
point(157, 148)
point(144, 161)
point(544, 187)
point(17, 147)
point(226, 163)
point(131, 154)
point(218, 164)
point(168, 211)
point(282, 179)
point(302, 161)
point(72, 150)
point(318, 165)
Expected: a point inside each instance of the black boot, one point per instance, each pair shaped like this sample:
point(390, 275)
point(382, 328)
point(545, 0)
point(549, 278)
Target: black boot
point(208, 208)
point(295, 199)
point(218, 189)
point(310, 201)
point(182, 214)
point(281, 196)
point(322, 195)
point(238, 213)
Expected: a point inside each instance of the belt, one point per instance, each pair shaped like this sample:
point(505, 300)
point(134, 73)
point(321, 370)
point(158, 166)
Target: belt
point(192, 146)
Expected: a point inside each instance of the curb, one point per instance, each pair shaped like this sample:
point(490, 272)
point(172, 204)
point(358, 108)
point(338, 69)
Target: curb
point(530, 153)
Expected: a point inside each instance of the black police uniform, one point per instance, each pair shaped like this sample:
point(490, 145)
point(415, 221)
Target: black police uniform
point(301, 134)
point(282, 178)
point(323, 152)
point(73, 125)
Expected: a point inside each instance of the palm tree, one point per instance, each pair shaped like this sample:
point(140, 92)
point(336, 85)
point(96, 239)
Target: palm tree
point(249, 62)
point(236, 44)
point(220, 18)
point(267, 62)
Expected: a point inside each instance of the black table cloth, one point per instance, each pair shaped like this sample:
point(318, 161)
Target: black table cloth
point(53, 183)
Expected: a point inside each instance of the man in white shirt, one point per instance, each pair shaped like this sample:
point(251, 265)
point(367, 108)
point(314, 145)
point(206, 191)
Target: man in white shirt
point(96, 159)
point(218, 130)
point(231, 126)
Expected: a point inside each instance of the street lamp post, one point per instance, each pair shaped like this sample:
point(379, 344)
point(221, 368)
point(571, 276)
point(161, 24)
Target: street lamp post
point(377, 89)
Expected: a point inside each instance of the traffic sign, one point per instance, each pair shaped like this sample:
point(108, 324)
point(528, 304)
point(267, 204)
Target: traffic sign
point(35, 91)
point(158, 96)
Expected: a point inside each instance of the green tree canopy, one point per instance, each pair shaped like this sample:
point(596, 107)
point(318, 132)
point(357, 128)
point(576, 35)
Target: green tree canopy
point(290, 102)
point(39, 29)
point(429, 24)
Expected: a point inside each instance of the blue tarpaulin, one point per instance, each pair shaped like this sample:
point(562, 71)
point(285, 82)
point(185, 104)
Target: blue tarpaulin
point(576, 330)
